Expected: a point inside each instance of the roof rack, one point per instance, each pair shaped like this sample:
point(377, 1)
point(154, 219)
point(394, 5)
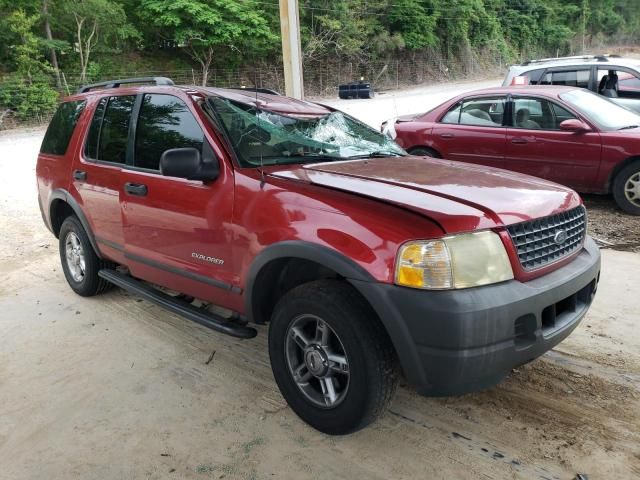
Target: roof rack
point(125, 81)
point(599, 58)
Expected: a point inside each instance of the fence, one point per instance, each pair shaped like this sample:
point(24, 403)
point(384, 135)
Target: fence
point(321, 79)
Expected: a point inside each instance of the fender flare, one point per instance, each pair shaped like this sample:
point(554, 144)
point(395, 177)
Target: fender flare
point(65, 196)
point(303, 250)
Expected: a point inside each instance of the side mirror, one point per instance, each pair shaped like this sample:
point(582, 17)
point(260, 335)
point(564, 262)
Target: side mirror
point(574, 125)
point(187, 163)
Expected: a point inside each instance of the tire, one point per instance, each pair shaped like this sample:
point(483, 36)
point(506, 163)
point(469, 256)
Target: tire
point(363, 366)
point(425, 151)
point(82, 267)
point(626, 188)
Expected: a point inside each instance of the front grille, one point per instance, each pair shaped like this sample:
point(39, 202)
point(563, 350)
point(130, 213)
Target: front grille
point(535, 241)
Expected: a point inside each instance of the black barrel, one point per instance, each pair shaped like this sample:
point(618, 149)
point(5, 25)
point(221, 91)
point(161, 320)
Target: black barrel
point(355, 90)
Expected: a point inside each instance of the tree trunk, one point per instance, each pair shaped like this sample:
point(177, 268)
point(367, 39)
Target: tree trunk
point(47, 30)
point(205, 62)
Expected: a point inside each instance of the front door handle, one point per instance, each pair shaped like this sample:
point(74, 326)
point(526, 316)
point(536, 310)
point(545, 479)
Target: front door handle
point(135, 189)
point(519, 141)
point(446, 135)
point(79, 175)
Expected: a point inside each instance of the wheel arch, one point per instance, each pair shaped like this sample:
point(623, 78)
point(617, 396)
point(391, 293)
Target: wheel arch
point(305, 261)
point(61, 205)
point(424, 147)
point(618, 168)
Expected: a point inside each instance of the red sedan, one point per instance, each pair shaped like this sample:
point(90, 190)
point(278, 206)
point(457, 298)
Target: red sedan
point(564, 134)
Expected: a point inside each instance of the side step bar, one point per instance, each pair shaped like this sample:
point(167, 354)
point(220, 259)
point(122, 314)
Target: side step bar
point(176, 305)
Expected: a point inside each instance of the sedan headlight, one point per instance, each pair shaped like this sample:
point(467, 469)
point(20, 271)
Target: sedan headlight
point(459, 261)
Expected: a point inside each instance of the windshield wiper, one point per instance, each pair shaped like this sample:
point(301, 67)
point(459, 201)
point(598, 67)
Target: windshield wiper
point(379, 154)
point(628, 127)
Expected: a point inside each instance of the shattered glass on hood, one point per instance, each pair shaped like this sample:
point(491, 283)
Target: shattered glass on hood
point(269, 138)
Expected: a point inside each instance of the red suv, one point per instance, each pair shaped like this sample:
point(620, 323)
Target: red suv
point(564, 134)
point(365, 261)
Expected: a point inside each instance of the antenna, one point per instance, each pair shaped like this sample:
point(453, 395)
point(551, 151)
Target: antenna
point(255, 83)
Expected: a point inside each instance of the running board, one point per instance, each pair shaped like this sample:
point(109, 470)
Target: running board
point(178, 306)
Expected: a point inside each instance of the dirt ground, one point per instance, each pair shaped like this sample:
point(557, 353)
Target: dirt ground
point(113, 387)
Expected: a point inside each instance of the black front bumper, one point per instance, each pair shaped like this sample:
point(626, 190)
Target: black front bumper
point(458, 341)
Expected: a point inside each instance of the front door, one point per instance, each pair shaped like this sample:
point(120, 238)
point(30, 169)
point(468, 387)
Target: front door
point(472, 131)
point(177, 231)
point(537, 146)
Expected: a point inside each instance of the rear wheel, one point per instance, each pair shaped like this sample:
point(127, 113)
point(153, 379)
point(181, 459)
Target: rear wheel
point(425, 151)
point(626, 188)
point(80, 263)
point(331, 357)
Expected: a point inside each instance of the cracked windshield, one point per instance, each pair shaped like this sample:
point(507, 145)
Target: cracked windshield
point(268, 138)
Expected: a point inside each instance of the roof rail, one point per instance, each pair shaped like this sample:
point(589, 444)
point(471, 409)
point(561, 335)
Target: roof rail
point(125, 81)
point(599, 58)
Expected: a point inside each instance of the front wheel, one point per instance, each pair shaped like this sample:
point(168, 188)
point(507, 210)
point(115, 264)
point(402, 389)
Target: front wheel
point(626, 188)
point(331, 357)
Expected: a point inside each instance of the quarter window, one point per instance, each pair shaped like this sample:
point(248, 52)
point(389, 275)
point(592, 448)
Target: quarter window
point(478, 111)
point(61, 127)
point(164, 122)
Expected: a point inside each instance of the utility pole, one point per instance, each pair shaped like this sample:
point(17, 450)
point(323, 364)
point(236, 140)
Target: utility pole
point(291, 50)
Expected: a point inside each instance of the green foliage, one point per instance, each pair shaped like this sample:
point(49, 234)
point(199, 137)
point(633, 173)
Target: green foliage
point(27, 53)
point(27, 100)
point(209, 27)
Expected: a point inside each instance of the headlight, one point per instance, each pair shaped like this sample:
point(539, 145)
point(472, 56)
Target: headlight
point(459, 261)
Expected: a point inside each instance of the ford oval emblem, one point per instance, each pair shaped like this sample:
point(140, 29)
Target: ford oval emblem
point(560, 237)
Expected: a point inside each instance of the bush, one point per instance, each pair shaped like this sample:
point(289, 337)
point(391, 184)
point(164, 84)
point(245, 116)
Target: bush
point(27, 101)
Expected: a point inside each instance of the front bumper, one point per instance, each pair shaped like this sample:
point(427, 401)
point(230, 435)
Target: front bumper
point(457, 341)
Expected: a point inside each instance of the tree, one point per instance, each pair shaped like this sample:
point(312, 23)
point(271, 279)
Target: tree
point(28, 57)
point(208, 27)
point(92, 23)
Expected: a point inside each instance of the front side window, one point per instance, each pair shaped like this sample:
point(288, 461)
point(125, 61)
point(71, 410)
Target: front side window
point(262, 137)
point(164, 122)
point(61, 127)
point(534, 75)
point(538, 114)
point(486, 111)
point(109, 130)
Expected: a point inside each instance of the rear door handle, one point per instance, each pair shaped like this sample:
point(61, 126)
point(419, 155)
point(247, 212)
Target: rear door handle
point(135, 189)
point(79, 175)
point(446, 135)
point(519, 141)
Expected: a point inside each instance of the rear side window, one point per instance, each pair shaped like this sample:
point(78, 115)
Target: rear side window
point(571, 78)
point(64, 121)
point(164, 122)
point(93, 137)
point(109, 130)
point(478, 111)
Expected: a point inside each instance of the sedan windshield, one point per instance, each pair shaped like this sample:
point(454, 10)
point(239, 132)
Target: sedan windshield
point(601, 111)
point(261, 137)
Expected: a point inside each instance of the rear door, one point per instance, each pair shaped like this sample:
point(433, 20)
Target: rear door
point(536, 145)
point(97, 173)
point(473, 131)
point(178, 232)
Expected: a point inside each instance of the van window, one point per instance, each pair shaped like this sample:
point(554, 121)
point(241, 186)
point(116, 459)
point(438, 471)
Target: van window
point(61, 127)
point(570, 78)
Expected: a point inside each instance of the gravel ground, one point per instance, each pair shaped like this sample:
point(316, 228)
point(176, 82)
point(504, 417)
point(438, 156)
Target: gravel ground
point(610, 226)
point(113, 387)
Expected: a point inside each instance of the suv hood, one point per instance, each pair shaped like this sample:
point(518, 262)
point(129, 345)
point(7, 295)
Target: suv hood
point(461, 197)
